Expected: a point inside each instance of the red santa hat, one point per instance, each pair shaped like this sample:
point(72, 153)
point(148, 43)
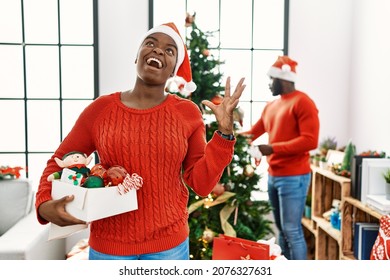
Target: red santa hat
point(284, 69)
point(183, 66)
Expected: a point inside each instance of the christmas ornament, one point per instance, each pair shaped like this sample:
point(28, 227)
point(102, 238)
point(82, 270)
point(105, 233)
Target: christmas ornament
point(116, 174)
point(217, 99)
point(218, 189)
point(93, 182)
point(189, 19)
point(208, 235)
point(249, 171)
point(100, 170)
point(254, 152)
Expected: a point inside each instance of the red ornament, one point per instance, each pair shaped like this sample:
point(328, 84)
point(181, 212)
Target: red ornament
point(217, 99)
point(100, 170)
point(116, 174)
point(218, 189)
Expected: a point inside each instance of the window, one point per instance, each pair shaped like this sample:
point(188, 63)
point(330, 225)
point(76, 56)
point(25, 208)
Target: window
point(48, 74)
point(248, 37)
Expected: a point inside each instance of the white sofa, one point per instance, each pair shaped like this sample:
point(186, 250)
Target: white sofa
point(21, 235)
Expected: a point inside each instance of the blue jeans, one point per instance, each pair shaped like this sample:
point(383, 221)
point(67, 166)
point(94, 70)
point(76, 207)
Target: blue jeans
point(180, 252)
point(287, 195)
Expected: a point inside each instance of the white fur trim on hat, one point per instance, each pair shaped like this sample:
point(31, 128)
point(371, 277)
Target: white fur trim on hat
point(284, 74)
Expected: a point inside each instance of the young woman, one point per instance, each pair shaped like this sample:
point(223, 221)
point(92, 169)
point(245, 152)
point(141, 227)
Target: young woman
point(159, 136)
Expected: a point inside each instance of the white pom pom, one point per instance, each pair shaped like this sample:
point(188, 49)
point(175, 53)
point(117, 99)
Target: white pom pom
point(286, 68)
point(190, 86)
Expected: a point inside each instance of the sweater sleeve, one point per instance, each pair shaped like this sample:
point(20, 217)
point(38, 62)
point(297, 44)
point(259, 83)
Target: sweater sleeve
point(256, 130)
point(80, 138)
point(205, 162)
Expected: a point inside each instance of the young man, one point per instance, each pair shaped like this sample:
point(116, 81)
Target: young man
point(292, 124)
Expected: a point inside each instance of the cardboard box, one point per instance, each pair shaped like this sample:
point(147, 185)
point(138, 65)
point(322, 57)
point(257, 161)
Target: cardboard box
point(94, 204)
point(356, 175)
point(90, 205)
point(379, 203)
point(372, 177)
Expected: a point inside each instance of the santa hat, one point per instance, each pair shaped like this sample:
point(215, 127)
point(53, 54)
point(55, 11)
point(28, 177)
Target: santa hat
point(284, 69)
point(183, 66)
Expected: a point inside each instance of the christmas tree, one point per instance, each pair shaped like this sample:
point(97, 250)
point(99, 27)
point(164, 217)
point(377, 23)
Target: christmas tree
point(229, 209)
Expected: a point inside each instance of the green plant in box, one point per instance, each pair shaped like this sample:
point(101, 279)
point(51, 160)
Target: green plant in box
point(386, 176)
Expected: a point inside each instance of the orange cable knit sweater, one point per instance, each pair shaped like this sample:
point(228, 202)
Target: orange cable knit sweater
point(292, 125)
point(166, 145)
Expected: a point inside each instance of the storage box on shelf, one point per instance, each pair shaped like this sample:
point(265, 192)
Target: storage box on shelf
point(326, 186)
point(331, 243)
point(354, 211)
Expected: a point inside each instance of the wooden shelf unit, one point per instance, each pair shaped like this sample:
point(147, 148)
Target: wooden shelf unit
point(331, 243)
point(354, 211)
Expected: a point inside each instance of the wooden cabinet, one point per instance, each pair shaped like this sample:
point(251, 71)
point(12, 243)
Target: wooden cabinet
point(324, 241)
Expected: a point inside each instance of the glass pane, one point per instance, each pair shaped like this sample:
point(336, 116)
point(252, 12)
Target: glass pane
point(237, 65)
point(268, 24)
point(11, 72)
point(42, 72)
point(77, 72)
point(43, 125)
point(170, 11)
point(207, 18)
point(71, 109)
point(10, 21)
point(262, 61)
point(41, 21)
point(236, 24)
point(14, 160)
point(13, 135)
point(36, 165)
point(76, 21)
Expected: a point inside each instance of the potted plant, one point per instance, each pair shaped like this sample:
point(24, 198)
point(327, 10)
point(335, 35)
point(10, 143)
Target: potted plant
point(323, 163)
point(327, 144)
point(386, 176)
point(316, 159)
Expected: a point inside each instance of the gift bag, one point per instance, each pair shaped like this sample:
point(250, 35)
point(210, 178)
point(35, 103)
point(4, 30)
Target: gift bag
point(234, 248)
point(381, 248)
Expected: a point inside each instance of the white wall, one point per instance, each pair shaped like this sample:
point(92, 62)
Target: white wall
point(319, 40)
point(121, 25)
point(370, 75)
point(341, 46)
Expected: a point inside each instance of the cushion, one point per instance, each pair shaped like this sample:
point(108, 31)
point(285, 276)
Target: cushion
point(381, 248)
point(15, 202)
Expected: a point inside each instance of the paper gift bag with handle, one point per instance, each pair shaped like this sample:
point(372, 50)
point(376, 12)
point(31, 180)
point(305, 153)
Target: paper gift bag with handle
point(234, 248)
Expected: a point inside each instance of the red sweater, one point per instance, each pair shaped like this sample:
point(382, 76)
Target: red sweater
point(165, 145)
point(292, 125)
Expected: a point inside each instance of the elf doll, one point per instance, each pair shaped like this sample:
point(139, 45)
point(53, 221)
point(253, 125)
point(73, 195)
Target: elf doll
point(76, 161)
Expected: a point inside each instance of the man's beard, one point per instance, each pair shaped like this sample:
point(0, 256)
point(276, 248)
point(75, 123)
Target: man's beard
point(276, 88)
